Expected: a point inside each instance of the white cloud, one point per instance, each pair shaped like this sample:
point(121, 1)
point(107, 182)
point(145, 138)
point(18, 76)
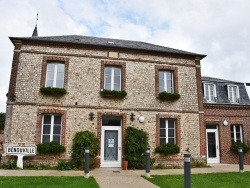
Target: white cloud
point(219, 29)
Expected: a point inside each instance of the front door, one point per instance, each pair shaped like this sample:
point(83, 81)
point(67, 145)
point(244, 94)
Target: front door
point(111, 146)
point(213, 155)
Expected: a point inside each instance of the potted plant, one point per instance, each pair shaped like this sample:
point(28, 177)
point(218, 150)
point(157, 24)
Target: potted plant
point(124, 163)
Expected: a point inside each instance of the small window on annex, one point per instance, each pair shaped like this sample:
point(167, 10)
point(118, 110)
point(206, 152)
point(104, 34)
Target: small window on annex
point(210, 92)
point(51, 128)
point(236, 133)
point(233, 93)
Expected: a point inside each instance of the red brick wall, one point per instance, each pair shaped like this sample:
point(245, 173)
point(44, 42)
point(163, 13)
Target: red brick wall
point(215, 114)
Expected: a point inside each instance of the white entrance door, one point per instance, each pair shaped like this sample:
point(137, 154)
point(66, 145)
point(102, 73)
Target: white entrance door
point(213, 151)
point(111, 146)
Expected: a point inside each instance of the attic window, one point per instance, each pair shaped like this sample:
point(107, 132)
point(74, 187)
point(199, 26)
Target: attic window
point(77, 39)
point(110, 42)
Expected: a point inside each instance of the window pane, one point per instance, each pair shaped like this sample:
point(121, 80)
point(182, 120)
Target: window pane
point(161, 81)
point(50, 67)
point(170, 123)
point(60, 80)
point(162, 140)
point(237, 128)
point(117, 71)
point(107, 78)
point(171, 140)
point(57, 130)
point(46, 138)
point(57, 120)
point(170, 132)
point(60, 68)
point(46, 119)
point(46, 129)
point(162, 132)
point(162, 123)
point(56, 138)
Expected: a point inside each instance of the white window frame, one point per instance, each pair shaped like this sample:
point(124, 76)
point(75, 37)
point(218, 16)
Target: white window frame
point(51, 127)
point(113, 77)
point(54, 74)
point(234, 132)
point(165, 85)
point(232, 98)
point(209, 98)
point(167, 128)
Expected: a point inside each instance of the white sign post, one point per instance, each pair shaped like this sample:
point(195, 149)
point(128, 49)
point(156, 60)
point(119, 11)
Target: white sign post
point(20, 152)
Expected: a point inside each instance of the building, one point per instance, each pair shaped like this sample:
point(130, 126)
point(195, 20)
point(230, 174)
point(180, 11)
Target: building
point(227, 119)
point(85, 67)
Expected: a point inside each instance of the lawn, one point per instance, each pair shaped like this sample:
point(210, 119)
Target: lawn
point(47, 181)
point(218, 180)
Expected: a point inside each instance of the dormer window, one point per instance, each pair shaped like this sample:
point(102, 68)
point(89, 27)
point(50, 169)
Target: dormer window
point(210, 92)
point(233, 93)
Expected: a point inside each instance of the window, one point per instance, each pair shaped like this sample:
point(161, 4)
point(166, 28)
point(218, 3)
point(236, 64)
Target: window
point(166, 81)
point(51, 128)
point(55, 75)
point(113, 75)
point(233, 93)
point(167, 131)
point(210, 92)
point(236, 133)
point(112, 78)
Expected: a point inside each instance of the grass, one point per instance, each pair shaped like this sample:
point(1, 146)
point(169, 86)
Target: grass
point(47, 181)
point(218, 180)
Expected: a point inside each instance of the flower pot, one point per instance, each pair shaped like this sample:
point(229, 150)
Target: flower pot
point(124, 165)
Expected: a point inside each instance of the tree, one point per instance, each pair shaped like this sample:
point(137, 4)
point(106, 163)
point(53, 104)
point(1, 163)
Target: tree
point(2, 120)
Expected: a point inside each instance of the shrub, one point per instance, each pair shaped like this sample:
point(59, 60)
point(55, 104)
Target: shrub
point(53, 91)
point(167, 149)
point(136, 142)
point(64, 165)
point(113, 93)
point(235, 146)
point(168, 96)
point(2, 120)
point(11, 164)
point(50, 148)
point(81, 141)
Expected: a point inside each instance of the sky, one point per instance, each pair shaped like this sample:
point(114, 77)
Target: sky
point(218, 29)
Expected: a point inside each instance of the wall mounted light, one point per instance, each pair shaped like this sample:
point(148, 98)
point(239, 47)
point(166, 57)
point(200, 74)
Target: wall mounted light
point(132, 116)
point(91, 116)
point(141, 119)
point(225, 122)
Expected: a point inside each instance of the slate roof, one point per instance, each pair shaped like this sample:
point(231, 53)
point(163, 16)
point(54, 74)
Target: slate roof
point(107, 42)
point(222, 93)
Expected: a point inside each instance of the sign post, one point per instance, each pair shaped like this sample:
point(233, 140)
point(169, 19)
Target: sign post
point(20, 152)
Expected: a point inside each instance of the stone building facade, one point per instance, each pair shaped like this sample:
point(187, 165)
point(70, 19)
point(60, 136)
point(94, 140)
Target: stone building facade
point(84, 61)
point(227, 117)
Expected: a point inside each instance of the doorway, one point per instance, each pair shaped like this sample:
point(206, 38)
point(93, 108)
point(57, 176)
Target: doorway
point(111, 137)
point(212, 140)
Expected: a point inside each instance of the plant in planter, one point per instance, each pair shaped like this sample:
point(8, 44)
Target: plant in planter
point(235, 146)
point(113, 93)
point(165, 96)
point(167, 149)
point(82, 140)
point(50, 148)
point(53, 91)
point(136, 142)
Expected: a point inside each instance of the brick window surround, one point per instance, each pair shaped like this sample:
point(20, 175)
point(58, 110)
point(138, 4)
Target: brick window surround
point(99, 126)
point(40, 114)
point(114, 64)
point(49, 59)
point(177, 127)
point(166, 68)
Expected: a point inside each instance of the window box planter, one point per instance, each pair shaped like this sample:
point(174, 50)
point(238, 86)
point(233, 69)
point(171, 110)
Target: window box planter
point(167, 149)
point(165, 96)
point(53, 91)
point(236, 145)
point(113, 93)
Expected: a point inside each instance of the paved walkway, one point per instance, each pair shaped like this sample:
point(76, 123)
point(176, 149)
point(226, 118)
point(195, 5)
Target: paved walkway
point(115, 177)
